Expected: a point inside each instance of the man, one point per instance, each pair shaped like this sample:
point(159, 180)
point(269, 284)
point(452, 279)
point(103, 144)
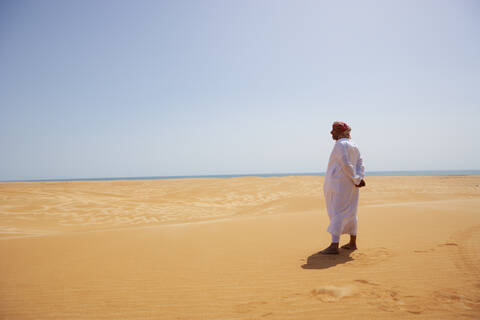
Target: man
point(345, 173)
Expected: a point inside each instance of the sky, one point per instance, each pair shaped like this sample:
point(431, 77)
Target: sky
point(159, 88)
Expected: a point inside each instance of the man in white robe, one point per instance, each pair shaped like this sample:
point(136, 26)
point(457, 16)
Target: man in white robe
point(344, 177)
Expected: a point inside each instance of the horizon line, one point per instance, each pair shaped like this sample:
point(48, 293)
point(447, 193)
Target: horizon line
point(263, 175)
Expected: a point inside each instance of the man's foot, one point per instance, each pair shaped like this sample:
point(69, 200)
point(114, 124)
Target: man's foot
point(332, 249)
point(349, 246)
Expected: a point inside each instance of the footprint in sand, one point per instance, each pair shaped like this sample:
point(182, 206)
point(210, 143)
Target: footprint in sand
point(248, 307)
point(424, 251)
point(465, 252)
point(446, 296)
point(452, 299)
point(369, 256)
point(448, 244)
point(366, 282)
point(332, 293)
point(386, 299)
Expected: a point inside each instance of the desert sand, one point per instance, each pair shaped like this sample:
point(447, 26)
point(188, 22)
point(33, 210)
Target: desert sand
point(237, 248)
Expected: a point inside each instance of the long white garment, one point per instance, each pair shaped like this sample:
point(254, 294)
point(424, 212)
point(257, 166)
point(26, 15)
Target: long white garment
point(345, 170)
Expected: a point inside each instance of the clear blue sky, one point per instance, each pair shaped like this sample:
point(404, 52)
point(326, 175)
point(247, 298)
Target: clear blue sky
point(155, 88)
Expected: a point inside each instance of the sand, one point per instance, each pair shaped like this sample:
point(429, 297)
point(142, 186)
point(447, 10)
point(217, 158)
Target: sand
point(237, 248)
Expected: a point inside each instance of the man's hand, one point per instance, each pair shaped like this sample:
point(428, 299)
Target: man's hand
point(361, 184)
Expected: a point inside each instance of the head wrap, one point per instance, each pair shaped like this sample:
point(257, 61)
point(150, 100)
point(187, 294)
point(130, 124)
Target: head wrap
point(341, 126)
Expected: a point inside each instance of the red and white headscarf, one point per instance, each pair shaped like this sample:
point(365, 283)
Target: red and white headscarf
point(341, 126)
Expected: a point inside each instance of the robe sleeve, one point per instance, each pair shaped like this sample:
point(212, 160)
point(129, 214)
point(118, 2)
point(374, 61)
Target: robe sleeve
point(348, 167)
point(360, 167)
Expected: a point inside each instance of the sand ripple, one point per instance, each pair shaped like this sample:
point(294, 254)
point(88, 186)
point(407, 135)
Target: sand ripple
point(48, 207)
point(56, 206)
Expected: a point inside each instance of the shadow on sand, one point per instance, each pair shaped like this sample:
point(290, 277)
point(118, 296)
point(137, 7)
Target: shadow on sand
point(325, 261)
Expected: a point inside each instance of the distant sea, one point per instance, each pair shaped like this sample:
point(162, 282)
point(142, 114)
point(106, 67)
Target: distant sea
point(369, 173)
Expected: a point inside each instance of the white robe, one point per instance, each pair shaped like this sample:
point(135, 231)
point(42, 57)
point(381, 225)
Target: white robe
point(345, 170)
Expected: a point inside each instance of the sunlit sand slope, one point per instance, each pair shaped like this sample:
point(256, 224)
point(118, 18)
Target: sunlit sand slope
point(242, 248)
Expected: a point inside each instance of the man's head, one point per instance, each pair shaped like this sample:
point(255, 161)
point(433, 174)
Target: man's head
point(340, 130)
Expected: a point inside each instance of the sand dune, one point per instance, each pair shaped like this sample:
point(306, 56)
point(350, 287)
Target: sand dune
point(239, 248)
